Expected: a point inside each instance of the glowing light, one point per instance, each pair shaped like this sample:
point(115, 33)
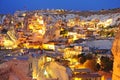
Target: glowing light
point(9, 43)
point(41, 31)
point(40, 21)
point(24, 14)
point(72, 33)
point(34, 76)
point(105, 23)
point(71, 23)
point(108, 22)
point(31, 26)
point(46, 74)
point(98, 60)
point(49, 59)
point(21, 50)
point(48, 46)
point(77, 78)
point(69, 52)
point(35, 69)
point(75, 38)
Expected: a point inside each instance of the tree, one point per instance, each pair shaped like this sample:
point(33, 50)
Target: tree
point(106, 64)
point(97, 66)
point(64, 33)
point(82, 59)
point(91, 64)
point(4, 31)
point(89, 56)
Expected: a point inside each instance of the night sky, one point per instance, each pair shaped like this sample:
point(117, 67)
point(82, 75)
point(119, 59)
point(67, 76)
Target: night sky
point(10, 6)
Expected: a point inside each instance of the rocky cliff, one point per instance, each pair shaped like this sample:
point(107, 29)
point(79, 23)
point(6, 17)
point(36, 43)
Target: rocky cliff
point(116, 54)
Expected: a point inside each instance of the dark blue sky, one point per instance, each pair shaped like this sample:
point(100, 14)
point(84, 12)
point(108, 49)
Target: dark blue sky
point(10, 6)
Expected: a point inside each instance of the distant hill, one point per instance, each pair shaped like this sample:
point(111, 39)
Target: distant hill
point(89, 13)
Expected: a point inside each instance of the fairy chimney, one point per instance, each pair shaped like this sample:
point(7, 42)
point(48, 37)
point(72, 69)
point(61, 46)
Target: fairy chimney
point(116, 54)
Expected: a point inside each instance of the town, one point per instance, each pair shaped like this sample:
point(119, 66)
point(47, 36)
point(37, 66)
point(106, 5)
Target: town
point(41, 39)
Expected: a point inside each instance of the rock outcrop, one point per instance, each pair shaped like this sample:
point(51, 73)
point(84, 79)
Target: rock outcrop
point(14, 70)
point(4, 71)
point(116, 54)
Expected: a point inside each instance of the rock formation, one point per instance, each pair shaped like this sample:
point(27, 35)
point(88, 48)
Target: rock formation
point(116, 54)
point(14, 70)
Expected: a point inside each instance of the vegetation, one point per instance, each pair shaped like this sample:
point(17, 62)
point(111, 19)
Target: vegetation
point(64, 33)
point(91, 64)
point(106, 64)
point(89, 61)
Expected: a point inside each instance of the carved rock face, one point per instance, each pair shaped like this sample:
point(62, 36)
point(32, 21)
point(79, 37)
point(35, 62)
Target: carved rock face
point(14, 70)
point(116, 53)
